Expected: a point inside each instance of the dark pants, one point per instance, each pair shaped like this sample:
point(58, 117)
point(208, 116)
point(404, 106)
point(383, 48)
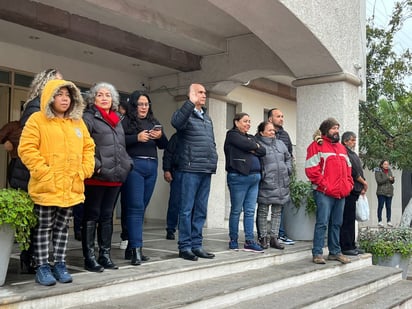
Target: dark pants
point(347, 230)
point(194, 196)
point(387, 201)
point(99, 203)
point(173, 205)
point(124, 234)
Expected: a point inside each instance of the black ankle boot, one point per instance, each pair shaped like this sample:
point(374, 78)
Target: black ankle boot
point(143, 257)
point(27, 262)
point(136, 257)
point(274, 243)
point(263, 242)
point(128, 253)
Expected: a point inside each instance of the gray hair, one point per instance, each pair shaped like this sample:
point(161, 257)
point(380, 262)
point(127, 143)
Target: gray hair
point(91, 94)
point(347, 136)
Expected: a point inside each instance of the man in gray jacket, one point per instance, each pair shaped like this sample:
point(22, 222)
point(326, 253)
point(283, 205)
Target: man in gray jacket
point(197, 161)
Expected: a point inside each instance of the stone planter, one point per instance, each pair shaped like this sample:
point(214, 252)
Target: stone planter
point(397, 261)
point(298, 225)
point(6, 245)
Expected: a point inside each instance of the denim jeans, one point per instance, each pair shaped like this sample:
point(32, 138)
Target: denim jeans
point(329, 216)
point(194, 196)
point(173, 205)
point(387, 201)
point(243, 196)
point(138, 190)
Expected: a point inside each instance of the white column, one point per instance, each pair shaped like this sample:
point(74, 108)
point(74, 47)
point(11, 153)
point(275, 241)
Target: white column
point(315, 103)
point(217, 197)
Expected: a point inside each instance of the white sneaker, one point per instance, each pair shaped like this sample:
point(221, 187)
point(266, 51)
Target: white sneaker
point(123, 244)
point(380, 224)
point(390, 224)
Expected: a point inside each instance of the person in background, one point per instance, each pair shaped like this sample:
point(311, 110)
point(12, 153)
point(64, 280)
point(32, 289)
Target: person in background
point(124, 235)
point(242, 152)
point(169, 167)
point(274, 185)
point(144, 135)
point(112, 165)
point(20, 175)
point(56, 147)
point(9, 137)
point(329, 169)
point(384, 179)
point(197, 161)
point(276, 117)
point(347, 230)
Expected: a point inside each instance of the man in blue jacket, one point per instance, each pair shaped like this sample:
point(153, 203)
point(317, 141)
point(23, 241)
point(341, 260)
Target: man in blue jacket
point(197, 161)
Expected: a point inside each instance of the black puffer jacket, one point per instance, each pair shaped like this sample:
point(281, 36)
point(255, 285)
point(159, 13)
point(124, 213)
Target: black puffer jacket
point(197, 148)
point(110, 156)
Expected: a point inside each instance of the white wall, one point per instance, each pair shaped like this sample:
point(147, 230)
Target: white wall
point(29, 60)
point(373, 200)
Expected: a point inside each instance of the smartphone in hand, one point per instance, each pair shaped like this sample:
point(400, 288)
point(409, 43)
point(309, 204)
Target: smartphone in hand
point(157, 127)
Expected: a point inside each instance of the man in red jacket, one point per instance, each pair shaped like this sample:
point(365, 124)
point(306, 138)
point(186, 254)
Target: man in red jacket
point(329, 169)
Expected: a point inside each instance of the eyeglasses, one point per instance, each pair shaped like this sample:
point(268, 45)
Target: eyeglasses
point(143, 104)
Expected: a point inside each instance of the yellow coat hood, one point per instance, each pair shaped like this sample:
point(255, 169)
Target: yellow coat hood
point(50, 90)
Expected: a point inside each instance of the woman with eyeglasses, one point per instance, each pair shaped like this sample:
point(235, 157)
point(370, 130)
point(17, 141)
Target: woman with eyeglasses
point(144, 134)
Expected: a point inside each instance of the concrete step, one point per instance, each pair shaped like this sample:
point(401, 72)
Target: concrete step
point(331, 292)
point(397, 296)
point(89, 288)
point(247, 287)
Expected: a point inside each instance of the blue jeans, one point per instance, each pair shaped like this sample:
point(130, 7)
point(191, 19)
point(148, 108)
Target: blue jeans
point(329, 215)
point(194, 196)
point(138, 190)
point(387, 201)
point(243, 196)
point(173, 205)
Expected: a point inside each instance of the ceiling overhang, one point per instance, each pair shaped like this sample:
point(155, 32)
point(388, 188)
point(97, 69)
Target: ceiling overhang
point(78, 28)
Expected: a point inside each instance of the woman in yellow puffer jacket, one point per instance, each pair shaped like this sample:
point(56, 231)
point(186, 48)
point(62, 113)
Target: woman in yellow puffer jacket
point(56, 147)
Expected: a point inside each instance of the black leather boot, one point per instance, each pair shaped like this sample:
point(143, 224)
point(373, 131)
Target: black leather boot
point(143, 257)
point(274, 243)
point(128, 253)
point(136, 257)
point(104, 238)
point(88, 235)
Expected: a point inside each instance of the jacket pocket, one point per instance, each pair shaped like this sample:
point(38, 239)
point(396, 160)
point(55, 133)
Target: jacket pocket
point(46, 184)
point(78, 184)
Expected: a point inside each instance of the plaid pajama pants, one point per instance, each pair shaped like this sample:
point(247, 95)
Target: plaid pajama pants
point(53, 223)
point(262, 214)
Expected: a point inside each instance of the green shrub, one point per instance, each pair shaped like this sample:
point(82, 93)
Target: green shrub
point(16, 209)
point(385, 242)
point(301, 192)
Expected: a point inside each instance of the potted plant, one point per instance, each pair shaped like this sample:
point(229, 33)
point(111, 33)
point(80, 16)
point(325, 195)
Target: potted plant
point(17, 218)
point(388, 246)
point(299, 217)
point(301, 194)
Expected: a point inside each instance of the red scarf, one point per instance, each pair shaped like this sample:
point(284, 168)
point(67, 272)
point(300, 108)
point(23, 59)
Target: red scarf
point(110, 117)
